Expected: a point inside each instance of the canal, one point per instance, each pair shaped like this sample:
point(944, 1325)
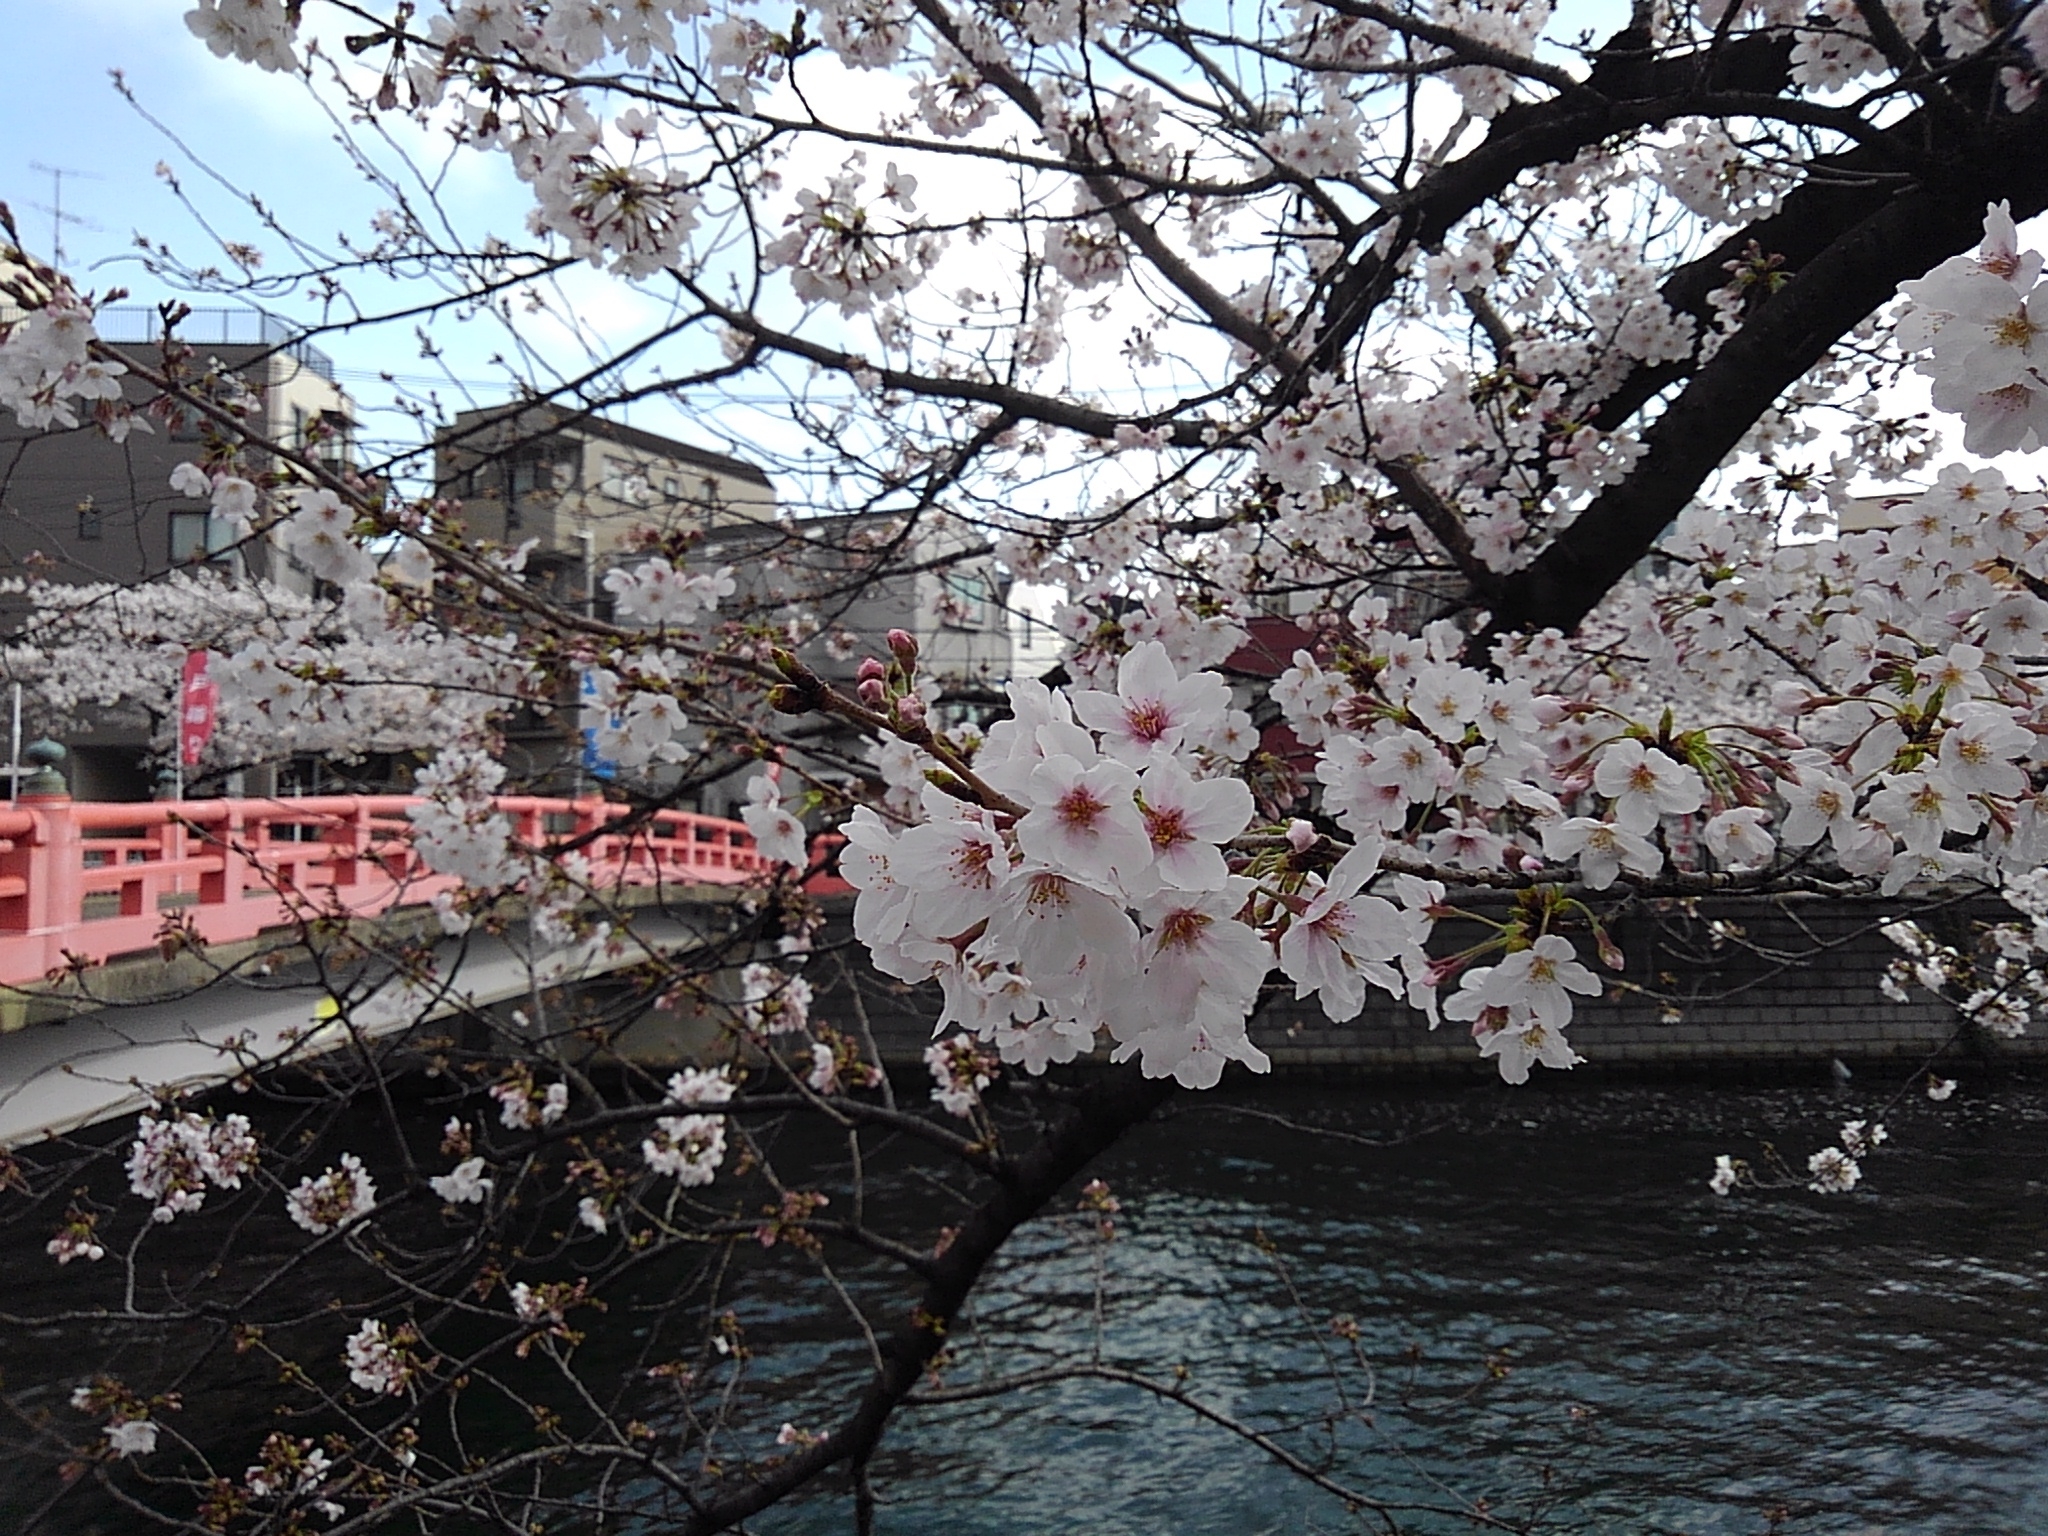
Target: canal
point(1439, 1296)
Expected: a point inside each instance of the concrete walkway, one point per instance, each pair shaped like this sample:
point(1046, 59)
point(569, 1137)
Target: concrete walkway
point(61, 1077)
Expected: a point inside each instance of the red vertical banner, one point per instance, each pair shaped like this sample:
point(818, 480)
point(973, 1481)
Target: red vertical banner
point(197, 701)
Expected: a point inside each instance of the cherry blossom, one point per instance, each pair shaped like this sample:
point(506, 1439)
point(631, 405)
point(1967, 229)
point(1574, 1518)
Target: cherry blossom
point(959, 1073)
point(464, 1184)
point(132, 1437)
point(523, 1105)
point(957, 863)
point(1187, 821)
point(1738, 839)
point(376, 1362)
point(686, 1148)
point(1603, 848)
point(1342, 939)
point(1516, 1046)
point(1538, 979)
point(1154, 711)
point(75, 1241)
point(1834, 1171)
point(778, 834)
point(701, 1086)
point(335, 1199)
point(1084, 820)
point(173, 1161)
point(1645, 785)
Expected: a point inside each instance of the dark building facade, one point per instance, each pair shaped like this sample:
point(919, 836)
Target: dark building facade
point(78, 507)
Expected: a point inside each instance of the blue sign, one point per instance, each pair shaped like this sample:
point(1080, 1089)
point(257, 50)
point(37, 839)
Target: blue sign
point(593, 718)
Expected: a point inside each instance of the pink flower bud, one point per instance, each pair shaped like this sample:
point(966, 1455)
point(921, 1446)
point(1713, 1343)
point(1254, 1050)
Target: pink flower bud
point(903, 646)
point(1530, 863)
point(910, 710)
point(870, 670)
point(1441, 970)
point(1301, 835)
point(872, 693)
point(1789, 698)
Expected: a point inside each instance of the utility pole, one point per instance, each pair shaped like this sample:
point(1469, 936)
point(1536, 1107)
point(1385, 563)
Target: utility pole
point(55, 207)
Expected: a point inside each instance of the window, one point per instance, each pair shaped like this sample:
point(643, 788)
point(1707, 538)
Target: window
point(327, 436)
point(964, 602)
point(189, 540)
point(525, 472)
point(671, 487)
point(90, 520)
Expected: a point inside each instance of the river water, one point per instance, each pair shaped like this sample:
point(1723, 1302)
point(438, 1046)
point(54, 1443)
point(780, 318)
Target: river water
point(1551, 1313)
point(1559, 1315)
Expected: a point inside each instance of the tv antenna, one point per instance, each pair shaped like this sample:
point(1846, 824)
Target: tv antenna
point(55, 206)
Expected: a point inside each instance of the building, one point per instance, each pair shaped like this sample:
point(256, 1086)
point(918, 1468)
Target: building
point(580, 490)
point(838, 585)
point(579, 487)
point(75, 506)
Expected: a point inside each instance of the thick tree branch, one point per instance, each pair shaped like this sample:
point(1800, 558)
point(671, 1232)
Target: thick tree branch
point(1096, 1119)
point(1862, 242)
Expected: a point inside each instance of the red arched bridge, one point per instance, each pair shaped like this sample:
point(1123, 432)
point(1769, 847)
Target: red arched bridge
point(91, 881)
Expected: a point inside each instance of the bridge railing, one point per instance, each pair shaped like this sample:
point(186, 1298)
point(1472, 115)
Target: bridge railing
point(95, 880)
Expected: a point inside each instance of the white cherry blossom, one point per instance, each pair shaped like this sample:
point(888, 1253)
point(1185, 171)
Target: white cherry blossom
point(1646, 785)
point(1341, 940)
point(778, 834)
point(1603, 848)
point(1084, 820)
point(1738, 839)
point(1154, 711)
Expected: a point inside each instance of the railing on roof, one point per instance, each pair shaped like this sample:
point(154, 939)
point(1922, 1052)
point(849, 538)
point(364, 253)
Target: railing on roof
point(137, 325)
point(86, 881)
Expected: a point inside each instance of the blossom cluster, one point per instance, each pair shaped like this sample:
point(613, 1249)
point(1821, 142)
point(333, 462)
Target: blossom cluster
point(959, 1072)
point(523, 1105)
point(691, 1148)
point(380, 1360)
point(289, 1467)
point(46, 369)
point(175, 1159)
point(130, 1430)
point(654, 592)
point(338, 1196)
point(1983, 322)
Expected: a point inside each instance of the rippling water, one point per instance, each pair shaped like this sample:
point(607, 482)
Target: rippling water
point(1554, 1315)
point(1559, 1315)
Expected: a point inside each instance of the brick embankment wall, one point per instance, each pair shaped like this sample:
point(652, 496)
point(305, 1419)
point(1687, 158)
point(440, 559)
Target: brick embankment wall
point(1736, 985)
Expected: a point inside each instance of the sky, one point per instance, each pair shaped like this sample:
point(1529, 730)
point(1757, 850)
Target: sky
point(227, 130)
point(58, 107)
point(231, 128)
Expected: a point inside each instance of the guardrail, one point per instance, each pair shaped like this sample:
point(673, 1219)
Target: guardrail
point(92, 881)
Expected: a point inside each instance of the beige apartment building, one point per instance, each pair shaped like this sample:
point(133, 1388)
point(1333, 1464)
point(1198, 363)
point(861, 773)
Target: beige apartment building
point(578, 486)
